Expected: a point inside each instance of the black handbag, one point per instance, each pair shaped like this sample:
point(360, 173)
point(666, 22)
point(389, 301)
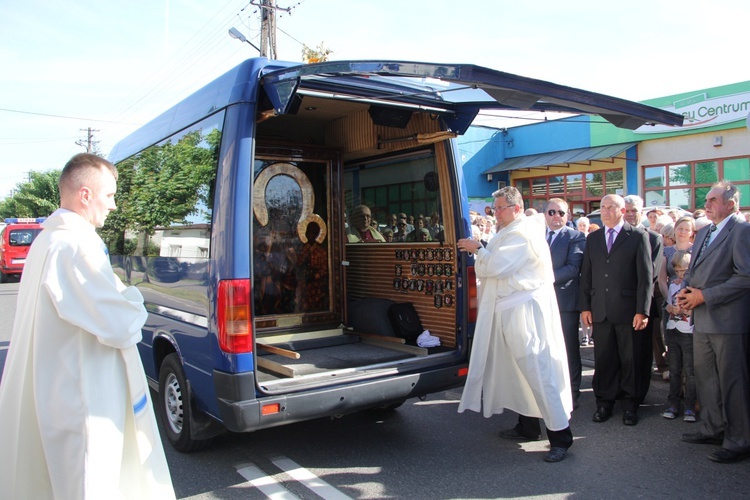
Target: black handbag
point(405, 321)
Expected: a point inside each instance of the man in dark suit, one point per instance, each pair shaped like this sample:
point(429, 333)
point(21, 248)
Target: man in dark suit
point(718, 292)
point(566, 247)
point(616, 290)
point(634, 216)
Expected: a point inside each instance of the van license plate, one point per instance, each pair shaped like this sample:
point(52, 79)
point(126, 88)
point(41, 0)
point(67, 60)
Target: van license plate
point(17, 261)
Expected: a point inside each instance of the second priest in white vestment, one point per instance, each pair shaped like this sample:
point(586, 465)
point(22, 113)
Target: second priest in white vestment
point(518, 359)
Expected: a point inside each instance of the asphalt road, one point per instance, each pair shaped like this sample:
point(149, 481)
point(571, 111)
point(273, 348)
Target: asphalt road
point(426, 450)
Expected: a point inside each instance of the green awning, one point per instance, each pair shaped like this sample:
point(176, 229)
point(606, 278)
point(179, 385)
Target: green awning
point(567, 157)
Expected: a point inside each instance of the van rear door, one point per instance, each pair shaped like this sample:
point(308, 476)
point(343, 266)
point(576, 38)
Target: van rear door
point(454, 92)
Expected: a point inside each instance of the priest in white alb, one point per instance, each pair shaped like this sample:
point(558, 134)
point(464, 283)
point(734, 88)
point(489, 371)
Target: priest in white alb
point(76, 420)
point(518, 358)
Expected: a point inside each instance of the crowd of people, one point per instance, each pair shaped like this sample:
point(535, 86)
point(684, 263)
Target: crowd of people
point(362, 228)
point(676, 293)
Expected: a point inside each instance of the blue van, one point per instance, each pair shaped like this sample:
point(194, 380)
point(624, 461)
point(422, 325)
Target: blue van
point(247, 218)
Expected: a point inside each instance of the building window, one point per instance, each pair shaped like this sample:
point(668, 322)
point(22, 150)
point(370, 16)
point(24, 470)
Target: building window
point(576, 189)
point(685, 185)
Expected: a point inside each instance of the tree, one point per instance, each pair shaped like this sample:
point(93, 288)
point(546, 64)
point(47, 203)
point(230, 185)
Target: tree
point(162, 186)
point(37, 198)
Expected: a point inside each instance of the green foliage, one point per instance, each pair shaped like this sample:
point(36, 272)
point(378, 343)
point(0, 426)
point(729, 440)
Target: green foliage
point(163, 185)
point(37, 198)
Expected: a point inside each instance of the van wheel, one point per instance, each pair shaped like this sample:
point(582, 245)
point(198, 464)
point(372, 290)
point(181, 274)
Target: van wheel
point(3, 278)
point(174, 406)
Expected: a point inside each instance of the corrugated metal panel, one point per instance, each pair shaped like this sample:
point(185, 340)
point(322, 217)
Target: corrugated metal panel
point(561, 157)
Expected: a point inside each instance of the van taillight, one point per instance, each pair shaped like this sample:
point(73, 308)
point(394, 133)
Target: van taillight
point(471, 290)
point(234, 316)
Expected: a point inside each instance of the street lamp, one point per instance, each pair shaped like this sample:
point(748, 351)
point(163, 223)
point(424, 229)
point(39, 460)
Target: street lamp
point(235, 33)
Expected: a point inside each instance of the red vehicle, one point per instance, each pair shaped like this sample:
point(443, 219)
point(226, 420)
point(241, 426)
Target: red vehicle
point(15, 240)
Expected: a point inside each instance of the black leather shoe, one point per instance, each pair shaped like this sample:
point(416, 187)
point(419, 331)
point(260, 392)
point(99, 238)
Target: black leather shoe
point(698, 438)
point(629, 417)
point(516, 435)
point(602, 414)
point(556, 454)
point(724, 456)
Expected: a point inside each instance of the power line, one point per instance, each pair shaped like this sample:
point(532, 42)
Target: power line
point(190, 54)
point(64, 117)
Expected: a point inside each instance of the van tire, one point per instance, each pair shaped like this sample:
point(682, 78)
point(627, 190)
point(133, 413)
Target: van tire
point(174, 406)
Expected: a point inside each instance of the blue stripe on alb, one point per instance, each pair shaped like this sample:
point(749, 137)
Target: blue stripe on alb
point(140, 405)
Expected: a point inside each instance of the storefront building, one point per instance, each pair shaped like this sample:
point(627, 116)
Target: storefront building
point(583, 158)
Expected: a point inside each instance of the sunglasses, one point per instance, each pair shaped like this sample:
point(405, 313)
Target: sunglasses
point(552, 213)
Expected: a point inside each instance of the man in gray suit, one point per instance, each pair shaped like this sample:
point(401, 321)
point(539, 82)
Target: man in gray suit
point(718, 292)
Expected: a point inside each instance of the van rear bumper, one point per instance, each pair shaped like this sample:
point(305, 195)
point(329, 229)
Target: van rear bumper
point(247, 414)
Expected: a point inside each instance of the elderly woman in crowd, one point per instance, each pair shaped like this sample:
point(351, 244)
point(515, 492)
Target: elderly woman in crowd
point(584, 225)
point(667, 234)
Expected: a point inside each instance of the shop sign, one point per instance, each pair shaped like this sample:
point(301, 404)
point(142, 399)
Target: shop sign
point(700, 112)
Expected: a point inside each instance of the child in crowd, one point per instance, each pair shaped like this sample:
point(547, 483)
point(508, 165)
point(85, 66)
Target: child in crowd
point(679, 337)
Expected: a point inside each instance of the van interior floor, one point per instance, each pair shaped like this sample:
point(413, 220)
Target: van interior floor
point(338, 357)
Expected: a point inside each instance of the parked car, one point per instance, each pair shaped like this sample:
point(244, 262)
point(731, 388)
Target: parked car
point(165, 269)
point(15, 240)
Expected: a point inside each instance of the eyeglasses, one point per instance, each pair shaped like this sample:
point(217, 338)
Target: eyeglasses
point(552, 213)
point(497, 209)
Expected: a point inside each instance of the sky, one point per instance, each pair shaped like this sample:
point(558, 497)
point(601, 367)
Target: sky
point(72, 65)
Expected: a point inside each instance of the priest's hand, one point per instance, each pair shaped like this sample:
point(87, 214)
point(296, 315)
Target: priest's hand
point(468, 245)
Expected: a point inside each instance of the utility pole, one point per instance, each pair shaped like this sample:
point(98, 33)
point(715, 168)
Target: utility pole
point(89, 143)
point(268, 28)
point(268, 10)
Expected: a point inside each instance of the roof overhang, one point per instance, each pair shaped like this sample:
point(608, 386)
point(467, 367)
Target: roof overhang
point(580, 156)
point(455, 92)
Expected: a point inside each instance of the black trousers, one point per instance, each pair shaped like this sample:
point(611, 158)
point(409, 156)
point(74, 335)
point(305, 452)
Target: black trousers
point(570, 321)
point(530, 426)
point(644, 363)
point(621, 355)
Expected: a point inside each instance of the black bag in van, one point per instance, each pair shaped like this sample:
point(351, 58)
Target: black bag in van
point(405, 321)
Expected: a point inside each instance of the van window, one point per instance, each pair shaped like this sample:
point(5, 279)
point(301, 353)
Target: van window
point(161, 230)
point(405, 185)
